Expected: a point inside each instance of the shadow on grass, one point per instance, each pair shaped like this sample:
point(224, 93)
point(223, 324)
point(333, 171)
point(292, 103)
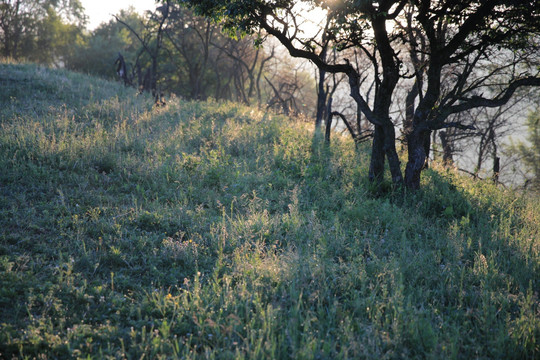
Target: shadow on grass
point(207, 233)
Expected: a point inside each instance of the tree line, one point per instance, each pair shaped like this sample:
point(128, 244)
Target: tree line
point(452, 56)
point(165, 51)
point(172, 51)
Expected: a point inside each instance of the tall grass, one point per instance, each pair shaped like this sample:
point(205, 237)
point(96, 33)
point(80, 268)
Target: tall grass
point(214, 230)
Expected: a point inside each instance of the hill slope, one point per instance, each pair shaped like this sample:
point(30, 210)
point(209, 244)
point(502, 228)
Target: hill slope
point(203, 230)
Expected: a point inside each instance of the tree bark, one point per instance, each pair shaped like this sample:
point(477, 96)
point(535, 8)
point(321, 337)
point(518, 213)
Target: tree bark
point(496, 169)
point(321, 99)
point(416, 158)
point(392, 155)
point(328, 121)
point(427, 148)
point(447, 149)
point(376, 166)
point(409, 109)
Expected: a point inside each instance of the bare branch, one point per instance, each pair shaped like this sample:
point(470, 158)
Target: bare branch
point(501, 99)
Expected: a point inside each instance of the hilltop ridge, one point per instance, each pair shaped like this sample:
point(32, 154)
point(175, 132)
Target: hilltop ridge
point(206, 229)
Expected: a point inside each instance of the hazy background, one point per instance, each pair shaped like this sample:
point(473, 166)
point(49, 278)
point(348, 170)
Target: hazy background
point(102, 10)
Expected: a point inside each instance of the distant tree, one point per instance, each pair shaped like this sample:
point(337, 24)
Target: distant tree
point(188, 38)
point(341, 107)
point(194, 60)
point(290, 87)
point(151, 41)
point(529, 152)
point(99, 49)
point(248, 64)
point(476, 151)
point(40, 30)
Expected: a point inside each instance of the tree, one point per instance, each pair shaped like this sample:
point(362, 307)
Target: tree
point(529, 152)
point(190, 38)
point(458, 36)
point(99, 49)
point(290, 86)
point(40, 30)
point(342, 27)
point(482, 146)
point(498, 37)
point(151, 41)
point(194, 60)
point(338, 104)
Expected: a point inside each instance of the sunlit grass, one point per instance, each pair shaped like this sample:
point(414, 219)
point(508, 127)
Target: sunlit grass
point(213, 230)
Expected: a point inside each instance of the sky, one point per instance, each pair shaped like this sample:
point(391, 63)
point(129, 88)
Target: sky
point(99, 11)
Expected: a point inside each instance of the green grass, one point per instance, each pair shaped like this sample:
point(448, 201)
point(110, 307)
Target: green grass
point(213, 230)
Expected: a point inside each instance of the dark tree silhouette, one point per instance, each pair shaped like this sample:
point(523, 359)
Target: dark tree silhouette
point(457, 38)
point(474, 46)
point(152, 42)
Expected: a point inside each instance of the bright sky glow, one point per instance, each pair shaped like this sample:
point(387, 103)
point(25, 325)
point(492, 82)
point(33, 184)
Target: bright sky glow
point(99, 11)
point(312, 21)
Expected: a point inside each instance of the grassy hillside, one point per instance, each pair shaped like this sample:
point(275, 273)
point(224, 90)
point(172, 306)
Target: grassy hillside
point(208, 230)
